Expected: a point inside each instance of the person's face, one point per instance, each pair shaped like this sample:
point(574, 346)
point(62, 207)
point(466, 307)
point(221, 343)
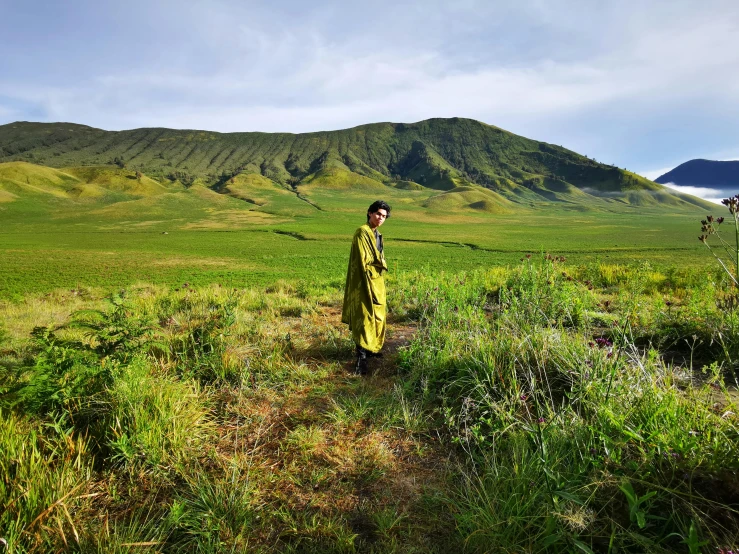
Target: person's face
point(377, 218)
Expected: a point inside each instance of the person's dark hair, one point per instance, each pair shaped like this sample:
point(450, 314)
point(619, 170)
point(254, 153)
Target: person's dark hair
point(378, 205)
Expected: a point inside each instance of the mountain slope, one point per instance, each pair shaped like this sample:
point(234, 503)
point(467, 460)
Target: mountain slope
point(438, 154)
point(704, 173)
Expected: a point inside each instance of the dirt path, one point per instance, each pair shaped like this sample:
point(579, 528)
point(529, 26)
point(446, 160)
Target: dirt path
point(347, 460)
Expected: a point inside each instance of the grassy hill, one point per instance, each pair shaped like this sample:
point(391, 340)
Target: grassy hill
point(436, 154)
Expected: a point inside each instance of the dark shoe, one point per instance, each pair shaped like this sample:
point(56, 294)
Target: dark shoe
point(361, 366)
point(375, 354)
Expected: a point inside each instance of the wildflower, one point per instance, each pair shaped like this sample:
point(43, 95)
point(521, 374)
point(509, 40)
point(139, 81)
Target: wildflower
point(702, 238)
point(528, 256)
point(668, 303)
point(720, 220)
point(610, 354)
point(603, 342)
point(593, 451)
point(541, 420)
point(591, 344)
point(710, 219)
point(524, 397)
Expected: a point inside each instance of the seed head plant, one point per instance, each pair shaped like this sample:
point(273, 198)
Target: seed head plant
point(726, 249)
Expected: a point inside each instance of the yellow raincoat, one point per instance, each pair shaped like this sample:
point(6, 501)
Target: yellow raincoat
point(364, 296)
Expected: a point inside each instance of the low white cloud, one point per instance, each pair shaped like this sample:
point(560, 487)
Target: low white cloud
point(712, 195)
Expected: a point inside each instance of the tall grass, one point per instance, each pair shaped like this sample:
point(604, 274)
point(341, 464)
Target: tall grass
point(579, 409)
point(45, 471)
point(578, 436)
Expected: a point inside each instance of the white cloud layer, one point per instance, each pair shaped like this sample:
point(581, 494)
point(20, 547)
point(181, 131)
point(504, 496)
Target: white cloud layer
point(710, 194)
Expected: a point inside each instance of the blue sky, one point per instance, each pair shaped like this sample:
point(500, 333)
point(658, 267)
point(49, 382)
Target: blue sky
point(641, 84)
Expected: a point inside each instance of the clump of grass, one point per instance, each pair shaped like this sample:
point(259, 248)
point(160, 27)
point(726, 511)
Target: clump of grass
point(45, 470)
point(213, 515)
point(540, 291)
point(199, 344)
point(156, 422)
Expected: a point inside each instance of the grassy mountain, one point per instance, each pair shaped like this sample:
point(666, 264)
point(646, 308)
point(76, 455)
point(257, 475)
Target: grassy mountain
point(704, 173)
point(438, 155)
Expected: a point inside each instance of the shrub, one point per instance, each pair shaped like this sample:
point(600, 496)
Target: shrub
point(64, 376)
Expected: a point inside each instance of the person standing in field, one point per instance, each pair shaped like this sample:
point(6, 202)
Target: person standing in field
point(364, 296)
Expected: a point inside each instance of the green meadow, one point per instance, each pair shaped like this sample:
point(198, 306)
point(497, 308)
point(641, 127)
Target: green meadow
point(104, 227)
point(560, 373)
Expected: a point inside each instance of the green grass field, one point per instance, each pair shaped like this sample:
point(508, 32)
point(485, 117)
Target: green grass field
point(174, 376)
point(104, 227)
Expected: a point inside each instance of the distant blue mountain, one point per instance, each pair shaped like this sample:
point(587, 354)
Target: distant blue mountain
point(704, 173)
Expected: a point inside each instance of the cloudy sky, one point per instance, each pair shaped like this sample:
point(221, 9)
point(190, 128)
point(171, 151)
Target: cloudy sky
point(641, 84)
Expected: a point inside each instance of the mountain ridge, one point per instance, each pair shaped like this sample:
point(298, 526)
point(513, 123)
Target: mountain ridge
point(438, 154)
point(703, 173)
